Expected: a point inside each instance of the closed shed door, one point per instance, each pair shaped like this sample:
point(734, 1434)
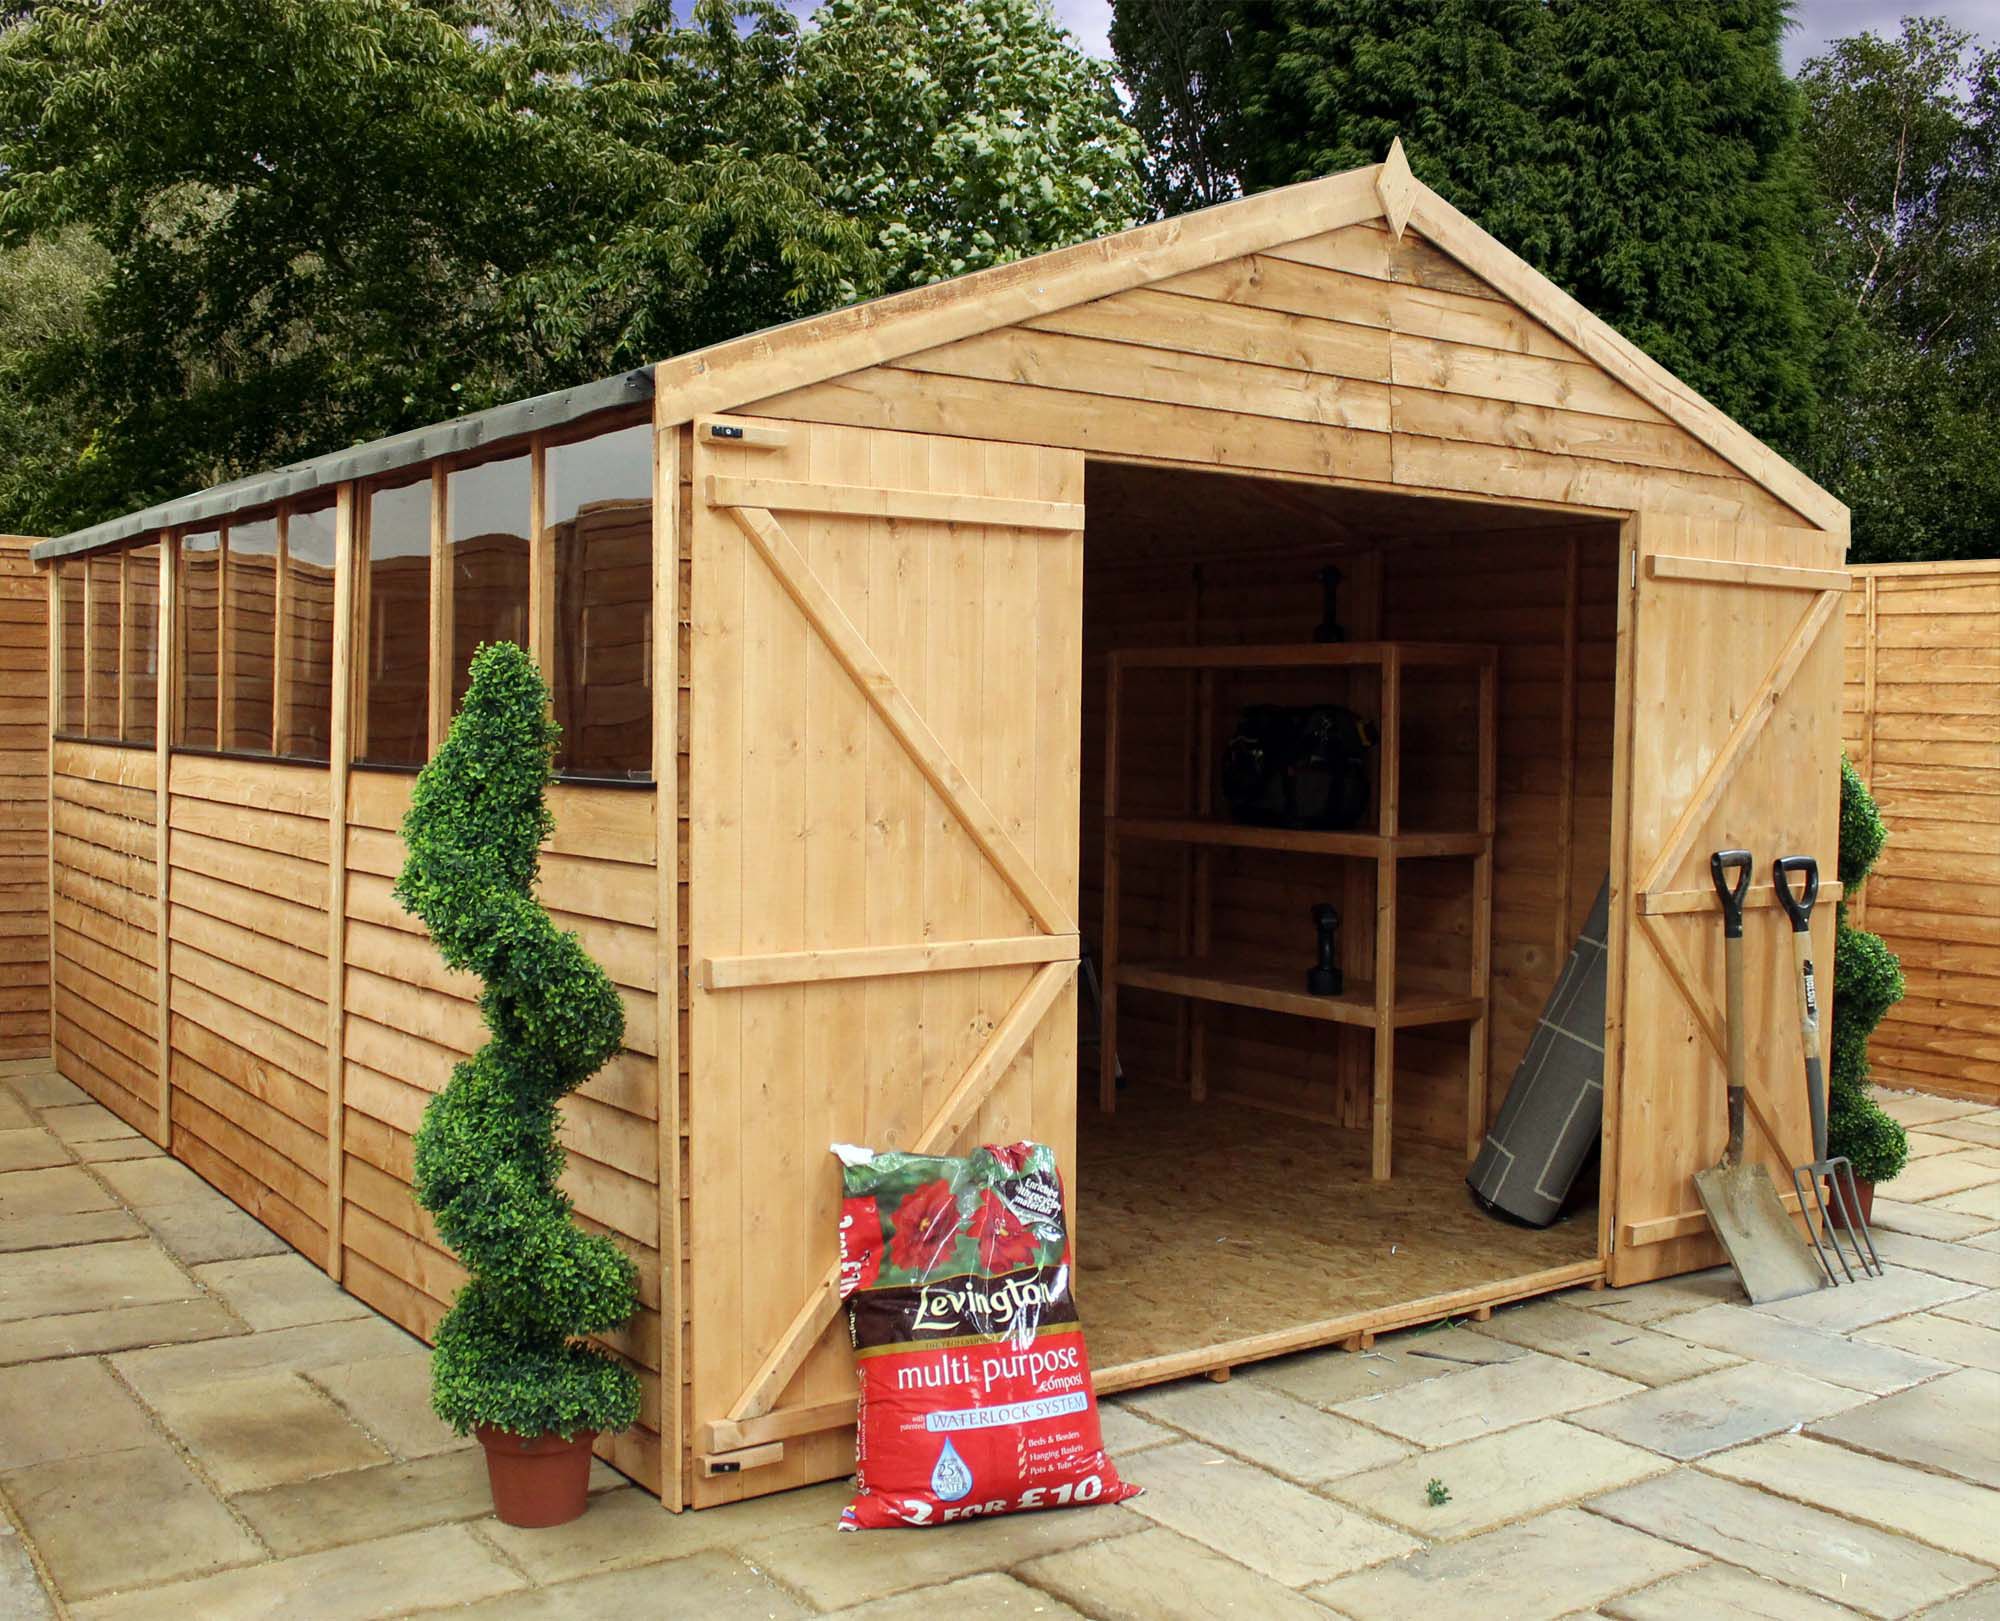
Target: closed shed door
point(883, 792)
point(1732, 741)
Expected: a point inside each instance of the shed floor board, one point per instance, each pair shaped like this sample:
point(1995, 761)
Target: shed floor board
point(1204, 1225)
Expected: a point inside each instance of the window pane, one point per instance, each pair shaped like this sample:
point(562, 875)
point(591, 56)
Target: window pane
point(251, 640)
point(600, 515)
point(306, 726)
point(70, 574)
point(489, 562)
point(395, 721)
point(195, 614)
point(102, 692)
point(142, 643)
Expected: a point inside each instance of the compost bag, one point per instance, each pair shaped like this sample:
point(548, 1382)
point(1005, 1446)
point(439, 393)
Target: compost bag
point(975, 1395)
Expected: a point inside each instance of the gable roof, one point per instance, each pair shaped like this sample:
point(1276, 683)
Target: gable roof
point(815, 349)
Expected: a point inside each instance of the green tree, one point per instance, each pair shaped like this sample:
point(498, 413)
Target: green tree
point(1904, 142)
point(1644, 156)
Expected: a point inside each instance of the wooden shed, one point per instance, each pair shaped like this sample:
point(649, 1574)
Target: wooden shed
point(1922, 726)
point(896, 649)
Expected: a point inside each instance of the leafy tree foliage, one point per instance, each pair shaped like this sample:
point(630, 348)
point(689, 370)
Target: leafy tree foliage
point(1642, 155)
point(1904, 139)
point(488, 1154)
point(326, 220)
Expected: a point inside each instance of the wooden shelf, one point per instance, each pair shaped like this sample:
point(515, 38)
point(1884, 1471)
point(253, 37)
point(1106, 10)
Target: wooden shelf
point(1306, 841)
point(1307, 655)
point(1283, 991)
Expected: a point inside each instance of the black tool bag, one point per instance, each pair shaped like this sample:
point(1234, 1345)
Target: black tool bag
point(1298, 765)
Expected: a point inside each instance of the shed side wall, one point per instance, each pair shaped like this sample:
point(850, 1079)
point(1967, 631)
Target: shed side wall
point(24, 803)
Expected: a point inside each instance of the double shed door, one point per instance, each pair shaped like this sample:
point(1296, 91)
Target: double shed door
point(1730, 739)
point(886, 702)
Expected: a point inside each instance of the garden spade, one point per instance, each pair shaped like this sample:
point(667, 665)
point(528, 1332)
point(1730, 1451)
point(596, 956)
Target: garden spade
point(1839, 1205)
point(1765, 1250)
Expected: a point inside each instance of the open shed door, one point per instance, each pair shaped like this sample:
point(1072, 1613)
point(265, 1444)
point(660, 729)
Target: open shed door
point(886, 706)
point(1732, 740)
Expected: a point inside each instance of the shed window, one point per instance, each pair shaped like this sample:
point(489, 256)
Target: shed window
point(599, 505)
point(199, 621)
point(305, 713)
point(140, 669)
point(488, 559)
point(249, 639)
point(69, 591)
point(392, 723)
point(103, 591)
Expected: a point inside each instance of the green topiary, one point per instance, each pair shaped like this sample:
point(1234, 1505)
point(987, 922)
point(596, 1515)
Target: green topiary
point(1867, 982)
point(487, 1155)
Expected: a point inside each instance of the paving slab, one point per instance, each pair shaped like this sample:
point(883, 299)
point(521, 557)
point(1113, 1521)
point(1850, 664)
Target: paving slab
point(1476, 1401)
point(1717, 1410)
point(1551, 1566)
point(1833, 1358)
point(1274, 1527)
point(1950, 1514)
point(14, 1114)
point(1951, 1424)
point(1897, 1293)
point(315, 1345)
point(1269, 1429)
point(1982, 1308)
point(1925, 1145)
point(1722, 1590)
point(29, 1149)
point(835, 1569)
point(124, 1519)
point(1921, 1109)
point(1125, 1431)
point(1510, 1476)
point(84, 1123)
point(1160, 1575)
point(142, 1183)
point(1926, 1179)
point(1984, 1241)
point(93, 1333)
point(390, 1397)
point(442, 1566)
point(1980, 1129)
point(264, 1430)
point(104, 1150)
point(22, 1596)
point(67, 1409)
point(1982, 1203)
point(712, 1586)
point(95, 1277)
point(211, 1229)
point(1646, 1303)
point(1944, 1338)
point(627, 1527)
point(278, 1291)
point(1981, 1604)
point(1939, 1258)
point(65, 1232)
point(1927, 1221)
point(1793, 1543)
point(1597, 1340)
point(992, 1595)
point(57, 1190)
point(360, 1505)
point(37, 1084)
point(1326, 1378)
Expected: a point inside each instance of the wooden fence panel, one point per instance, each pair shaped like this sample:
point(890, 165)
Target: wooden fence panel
point(24, 803)
point(1921, 721)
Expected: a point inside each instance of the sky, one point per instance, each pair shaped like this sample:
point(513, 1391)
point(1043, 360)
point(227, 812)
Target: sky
point(1818, 21)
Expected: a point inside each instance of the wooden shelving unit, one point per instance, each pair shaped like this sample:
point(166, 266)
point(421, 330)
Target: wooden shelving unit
point(1206, 978)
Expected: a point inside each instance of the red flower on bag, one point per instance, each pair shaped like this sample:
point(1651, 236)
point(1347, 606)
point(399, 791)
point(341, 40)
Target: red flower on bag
point(1004, 1240)
point(927, 1226)
point(860, 1245)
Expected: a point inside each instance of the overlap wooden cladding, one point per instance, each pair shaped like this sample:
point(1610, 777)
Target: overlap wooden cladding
point(24, 805)
point(1922, 726)
point(832, 679)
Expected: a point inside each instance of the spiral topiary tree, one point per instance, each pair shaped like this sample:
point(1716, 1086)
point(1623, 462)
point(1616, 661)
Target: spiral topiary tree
point(509, 1355)
point(1867, 982)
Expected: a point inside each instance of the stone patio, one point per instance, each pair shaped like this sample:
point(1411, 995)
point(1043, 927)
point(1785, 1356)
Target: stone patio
point(194, 1421)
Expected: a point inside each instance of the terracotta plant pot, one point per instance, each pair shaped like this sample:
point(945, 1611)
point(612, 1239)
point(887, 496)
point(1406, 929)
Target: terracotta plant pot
point(1864, 1194)
point(537, 1480)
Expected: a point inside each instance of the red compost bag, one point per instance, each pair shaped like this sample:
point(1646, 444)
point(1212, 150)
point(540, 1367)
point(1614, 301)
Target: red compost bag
point(975, 1388)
